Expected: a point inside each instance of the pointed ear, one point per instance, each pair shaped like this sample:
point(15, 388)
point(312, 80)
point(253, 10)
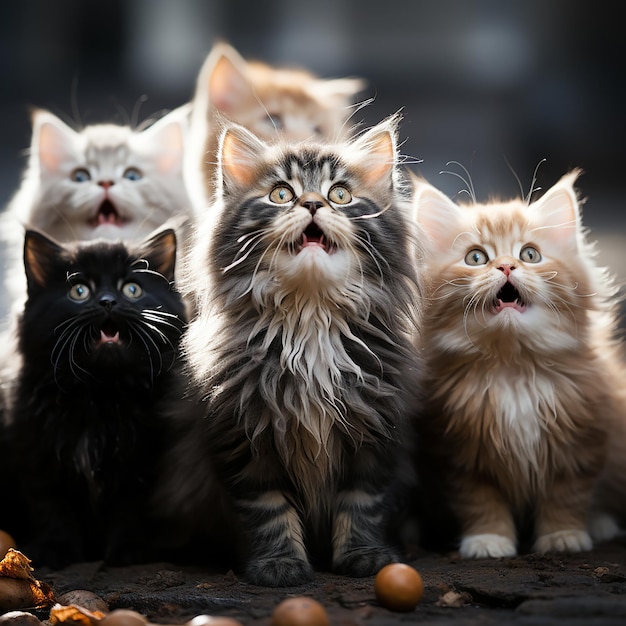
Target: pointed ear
point(240, 154)
point(160, 251)
point(53, 141)
point(39, 256)
point(166, 139)
point(436, 214)
point(558, 212)
point(225, 76)
point(338, 88)
point(377, 152)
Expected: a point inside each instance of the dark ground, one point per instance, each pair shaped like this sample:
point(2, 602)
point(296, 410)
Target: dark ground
point(586, 588)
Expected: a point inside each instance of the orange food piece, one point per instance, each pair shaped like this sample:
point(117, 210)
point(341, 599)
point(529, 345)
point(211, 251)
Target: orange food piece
point(300, 611)
point(398, 587)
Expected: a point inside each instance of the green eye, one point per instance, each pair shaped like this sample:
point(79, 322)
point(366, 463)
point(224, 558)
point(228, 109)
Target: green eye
point(79, 292)
point(340, 195)
point(530, 255)
point(132, 290)
point(281, 194)
point(476, 256)
point(80, 175)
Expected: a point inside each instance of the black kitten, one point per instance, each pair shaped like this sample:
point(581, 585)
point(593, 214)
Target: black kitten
point(98, 340)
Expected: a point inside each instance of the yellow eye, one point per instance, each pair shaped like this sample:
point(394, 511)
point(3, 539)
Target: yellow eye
point(281, 194)
point(476, 256)
point(132, 290)
point(530, 255)
point(79, 292)
point(340, 195)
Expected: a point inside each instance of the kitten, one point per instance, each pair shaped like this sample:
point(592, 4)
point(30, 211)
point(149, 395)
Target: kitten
point(98, 339)
point(300, 356)
point(523, 369)
point(274, 103)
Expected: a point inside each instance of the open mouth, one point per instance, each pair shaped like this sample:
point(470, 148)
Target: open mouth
point(109, 335)
point(509, 298)
point(107, 214)
point(312, 236)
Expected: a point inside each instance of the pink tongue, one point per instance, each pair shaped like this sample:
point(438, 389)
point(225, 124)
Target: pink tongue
point(313, 241)
point(107, 218)
point(105, 338)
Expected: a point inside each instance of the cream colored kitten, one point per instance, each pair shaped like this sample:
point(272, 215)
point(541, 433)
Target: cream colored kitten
point(524, 368)
point(273, 103)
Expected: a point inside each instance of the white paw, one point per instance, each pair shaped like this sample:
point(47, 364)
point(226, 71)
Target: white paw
point(564, 541)
point(603, 527)
point(485, 546)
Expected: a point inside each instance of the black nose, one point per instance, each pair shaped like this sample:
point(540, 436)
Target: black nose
point(312, 205)
point(107, 300)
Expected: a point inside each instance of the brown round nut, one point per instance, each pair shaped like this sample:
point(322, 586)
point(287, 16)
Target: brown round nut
point(213, 620)
point(300, 611)
point(398, 587)
point(19, 618)
point(85, 600)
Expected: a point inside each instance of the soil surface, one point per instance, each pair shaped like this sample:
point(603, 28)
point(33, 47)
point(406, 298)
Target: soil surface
point(586, 588)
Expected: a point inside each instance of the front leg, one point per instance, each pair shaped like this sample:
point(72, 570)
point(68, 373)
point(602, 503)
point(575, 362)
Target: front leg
point(360, 520)
point(277, 555)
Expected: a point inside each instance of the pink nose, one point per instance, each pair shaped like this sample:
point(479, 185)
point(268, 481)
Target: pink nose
point(507, 268)
point(105, 183)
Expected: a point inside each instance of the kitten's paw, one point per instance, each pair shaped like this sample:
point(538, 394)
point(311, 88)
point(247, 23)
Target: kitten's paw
point(603, 527)
point(279, 572)
point(564, 541)
point(487, 545)
point(363, 562)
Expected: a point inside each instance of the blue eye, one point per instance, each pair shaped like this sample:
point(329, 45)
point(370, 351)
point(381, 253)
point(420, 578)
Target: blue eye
point(80, 175)
point(132, 173)
point(476, 257)
point(132, 290)
point(79, 292)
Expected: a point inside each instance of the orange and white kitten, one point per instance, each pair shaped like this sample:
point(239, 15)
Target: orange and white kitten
point(274, 103)
point(524, 368)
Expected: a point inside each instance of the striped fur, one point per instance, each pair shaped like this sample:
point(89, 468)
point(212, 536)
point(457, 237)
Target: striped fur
point(300, 355)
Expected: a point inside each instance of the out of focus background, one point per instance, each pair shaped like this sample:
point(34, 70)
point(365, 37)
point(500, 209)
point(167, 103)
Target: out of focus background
point(497, 85)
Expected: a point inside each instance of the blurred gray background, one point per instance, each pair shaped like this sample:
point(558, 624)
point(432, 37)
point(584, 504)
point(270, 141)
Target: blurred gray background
point(481, 82)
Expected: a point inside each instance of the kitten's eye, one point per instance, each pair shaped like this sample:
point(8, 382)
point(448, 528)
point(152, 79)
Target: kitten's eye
point(281, 194)
point(530, 255)
point(79, 292)
point(476, 257)
point(277, 121)
point(340, 195)
point(132, 173)
point(132, 290)
point(80, 175)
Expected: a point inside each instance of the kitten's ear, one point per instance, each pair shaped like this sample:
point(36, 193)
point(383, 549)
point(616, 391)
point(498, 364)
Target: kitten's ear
point(558, 212)
point(40, 252)
point(240, 154)
point(53, 141)
point(160, 252)
point(377, 152)
point(166, 139)
point(435, 213)
point(225, 76)
point(339, 89)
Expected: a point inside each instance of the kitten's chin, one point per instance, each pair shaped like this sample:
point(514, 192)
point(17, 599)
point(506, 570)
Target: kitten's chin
point(313, 265)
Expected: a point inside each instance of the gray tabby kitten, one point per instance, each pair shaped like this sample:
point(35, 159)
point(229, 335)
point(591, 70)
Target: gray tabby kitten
point(300, 358)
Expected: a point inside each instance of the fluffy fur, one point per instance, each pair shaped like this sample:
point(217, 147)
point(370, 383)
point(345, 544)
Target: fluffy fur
point(98, 339)
point(524, 370)
point(274, 103)
point(104, 181)
point(300, 358)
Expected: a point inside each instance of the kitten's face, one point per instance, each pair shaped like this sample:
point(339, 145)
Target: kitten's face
point(106, 181)
point(101, 309)
point(506, 270)
point(311, 217)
